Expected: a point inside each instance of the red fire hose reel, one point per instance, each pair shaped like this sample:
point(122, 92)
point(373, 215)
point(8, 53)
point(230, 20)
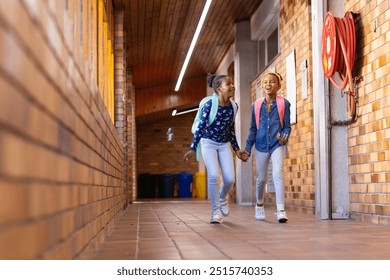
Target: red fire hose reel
point(338, 53)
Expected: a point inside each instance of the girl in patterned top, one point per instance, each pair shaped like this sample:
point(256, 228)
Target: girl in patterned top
point(215, 140)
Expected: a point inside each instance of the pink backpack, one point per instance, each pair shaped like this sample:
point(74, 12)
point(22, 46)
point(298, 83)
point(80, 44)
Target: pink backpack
point(280, 104)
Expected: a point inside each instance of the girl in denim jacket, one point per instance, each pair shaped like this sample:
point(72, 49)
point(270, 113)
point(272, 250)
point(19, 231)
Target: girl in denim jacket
point(270, 137)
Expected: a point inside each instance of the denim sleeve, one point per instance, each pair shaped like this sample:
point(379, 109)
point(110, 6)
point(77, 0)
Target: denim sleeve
point(286, 121)
point(252, 132)
point(204, 119)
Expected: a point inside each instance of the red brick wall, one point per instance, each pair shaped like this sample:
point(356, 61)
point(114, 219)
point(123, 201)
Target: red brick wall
point(61, 164)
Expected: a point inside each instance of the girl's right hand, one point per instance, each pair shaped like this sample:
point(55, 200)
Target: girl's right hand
point(282, 140)
point(188, 155)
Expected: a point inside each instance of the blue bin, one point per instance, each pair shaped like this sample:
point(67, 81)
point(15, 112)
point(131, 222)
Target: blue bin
point(185, 182)
point(167, 183)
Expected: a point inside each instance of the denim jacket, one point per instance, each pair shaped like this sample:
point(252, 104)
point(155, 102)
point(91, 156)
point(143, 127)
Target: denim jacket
point(264, 138)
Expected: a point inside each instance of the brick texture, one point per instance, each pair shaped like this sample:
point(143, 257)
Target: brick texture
point(368, 138)
point(157, 155)
point(62, 161)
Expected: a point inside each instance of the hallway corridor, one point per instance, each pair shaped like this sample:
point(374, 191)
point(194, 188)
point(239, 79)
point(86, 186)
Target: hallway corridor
point(180, 230)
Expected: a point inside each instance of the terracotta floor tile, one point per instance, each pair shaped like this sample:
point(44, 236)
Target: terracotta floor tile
point(180, 229)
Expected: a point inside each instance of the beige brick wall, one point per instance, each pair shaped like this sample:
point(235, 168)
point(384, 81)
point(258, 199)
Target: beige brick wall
point(131, 141)
point(295, 34)
point(61, 164)
point(368, 138)
point(157, 155)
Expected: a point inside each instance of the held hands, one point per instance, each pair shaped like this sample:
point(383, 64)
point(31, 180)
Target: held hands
point(188, 155)
point(243, 155)
point(282, 140)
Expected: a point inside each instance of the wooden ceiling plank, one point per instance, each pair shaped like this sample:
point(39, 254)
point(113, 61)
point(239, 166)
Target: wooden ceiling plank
point(164, 57)
point(212, 32)
point(152, 61)
point(235, 12)
point(180, 11)
point(161, 40)
point(192, 24)
point(159, 33)
point(142, 71)
point(132, 32)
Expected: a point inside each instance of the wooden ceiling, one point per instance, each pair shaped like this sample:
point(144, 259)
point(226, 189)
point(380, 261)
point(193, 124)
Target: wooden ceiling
point(159, 33)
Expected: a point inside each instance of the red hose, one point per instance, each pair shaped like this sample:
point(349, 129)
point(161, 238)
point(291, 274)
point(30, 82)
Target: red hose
point(338, 53)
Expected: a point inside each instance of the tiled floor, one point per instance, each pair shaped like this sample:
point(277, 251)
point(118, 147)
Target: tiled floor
point(169, 230)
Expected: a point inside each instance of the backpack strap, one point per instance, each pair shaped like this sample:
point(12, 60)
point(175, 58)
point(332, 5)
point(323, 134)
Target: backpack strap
point(198, 114)
point(281, 108)
point(214, 108)
point(258, 104)
point(280, 105)
point(235, 108)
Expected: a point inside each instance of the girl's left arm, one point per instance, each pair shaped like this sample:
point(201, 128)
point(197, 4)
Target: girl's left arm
point(233, 139)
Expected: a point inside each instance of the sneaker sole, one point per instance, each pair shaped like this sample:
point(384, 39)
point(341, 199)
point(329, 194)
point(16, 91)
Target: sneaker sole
point(283, 220)
point(225, 214)
point(261, 219)
point(215, 222)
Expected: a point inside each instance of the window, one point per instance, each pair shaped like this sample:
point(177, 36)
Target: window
point(265, 30)
point(273, 45)
point(268, 48)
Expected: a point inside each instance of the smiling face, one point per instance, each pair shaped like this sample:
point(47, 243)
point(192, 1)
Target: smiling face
point(227, 89)
point(270, 85)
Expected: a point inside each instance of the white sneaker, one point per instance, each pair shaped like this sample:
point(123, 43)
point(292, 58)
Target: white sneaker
point(260, 213)
point(224, 207)
point(216, 217)
point(281, 216)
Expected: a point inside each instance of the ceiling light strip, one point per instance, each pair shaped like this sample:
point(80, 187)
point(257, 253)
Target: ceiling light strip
point(192, 46)
point(176, 113)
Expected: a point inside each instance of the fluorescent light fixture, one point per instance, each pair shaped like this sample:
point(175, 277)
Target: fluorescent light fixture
point(192, 46)
point(176, 113)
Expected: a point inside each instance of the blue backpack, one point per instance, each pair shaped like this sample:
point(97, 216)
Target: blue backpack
point(213, 113)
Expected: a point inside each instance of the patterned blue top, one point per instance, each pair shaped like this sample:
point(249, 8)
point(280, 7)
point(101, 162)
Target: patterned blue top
point(221, 130)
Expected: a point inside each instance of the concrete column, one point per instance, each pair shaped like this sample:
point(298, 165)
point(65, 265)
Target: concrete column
point(244, 71)
point(321, 115)
point(339, 177)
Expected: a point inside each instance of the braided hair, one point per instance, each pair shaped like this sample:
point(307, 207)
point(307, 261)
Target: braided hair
point(215, 81)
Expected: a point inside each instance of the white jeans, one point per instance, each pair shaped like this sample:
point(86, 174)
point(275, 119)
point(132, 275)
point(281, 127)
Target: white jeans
point(262, 161)
point(215, 156)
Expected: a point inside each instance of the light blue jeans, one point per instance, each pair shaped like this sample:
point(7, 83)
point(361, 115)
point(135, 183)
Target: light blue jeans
point(262, 161)
point(215, 156)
